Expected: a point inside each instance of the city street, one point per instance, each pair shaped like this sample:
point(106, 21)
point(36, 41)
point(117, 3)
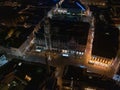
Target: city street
point(60, 62)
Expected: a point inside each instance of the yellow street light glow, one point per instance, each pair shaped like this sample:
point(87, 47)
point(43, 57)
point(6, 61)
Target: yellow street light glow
point(109, 62)
point(28, 78)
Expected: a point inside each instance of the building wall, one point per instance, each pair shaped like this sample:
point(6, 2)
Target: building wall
point(23, 48)
point(61, 45)
point(10, 51)
point(94, 2)
point(15, 52)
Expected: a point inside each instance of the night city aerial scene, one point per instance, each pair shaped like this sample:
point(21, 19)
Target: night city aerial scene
point(59, 45)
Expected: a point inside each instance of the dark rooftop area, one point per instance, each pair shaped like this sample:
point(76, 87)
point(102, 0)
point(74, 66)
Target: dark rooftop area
point(65, 31)
point(14, 37)
point(12, 29)
point(105, 42)
point(72, 4)
point(36, 71)
point(4, 11)
point(73, 71)
point(9, 18)
point(38, 2)
point(82, 79)
point(115, 1)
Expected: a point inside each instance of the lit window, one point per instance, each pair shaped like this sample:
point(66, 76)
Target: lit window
point(64, 51)
point(19, 64)
point(28, 78)
point(89, 88)
point(65, 55)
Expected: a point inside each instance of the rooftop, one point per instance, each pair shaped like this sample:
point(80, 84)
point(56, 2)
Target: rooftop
point(74, 4)
point(14, 37)
point(105, 42)
point(66, 30)
point(34, 74)
point(17, 25)
point(83, 79)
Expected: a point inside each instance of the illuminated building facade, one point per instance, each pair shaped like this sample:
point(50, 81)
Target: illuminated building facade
point(94, 2)
point(67, 31)
point(67, 36)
